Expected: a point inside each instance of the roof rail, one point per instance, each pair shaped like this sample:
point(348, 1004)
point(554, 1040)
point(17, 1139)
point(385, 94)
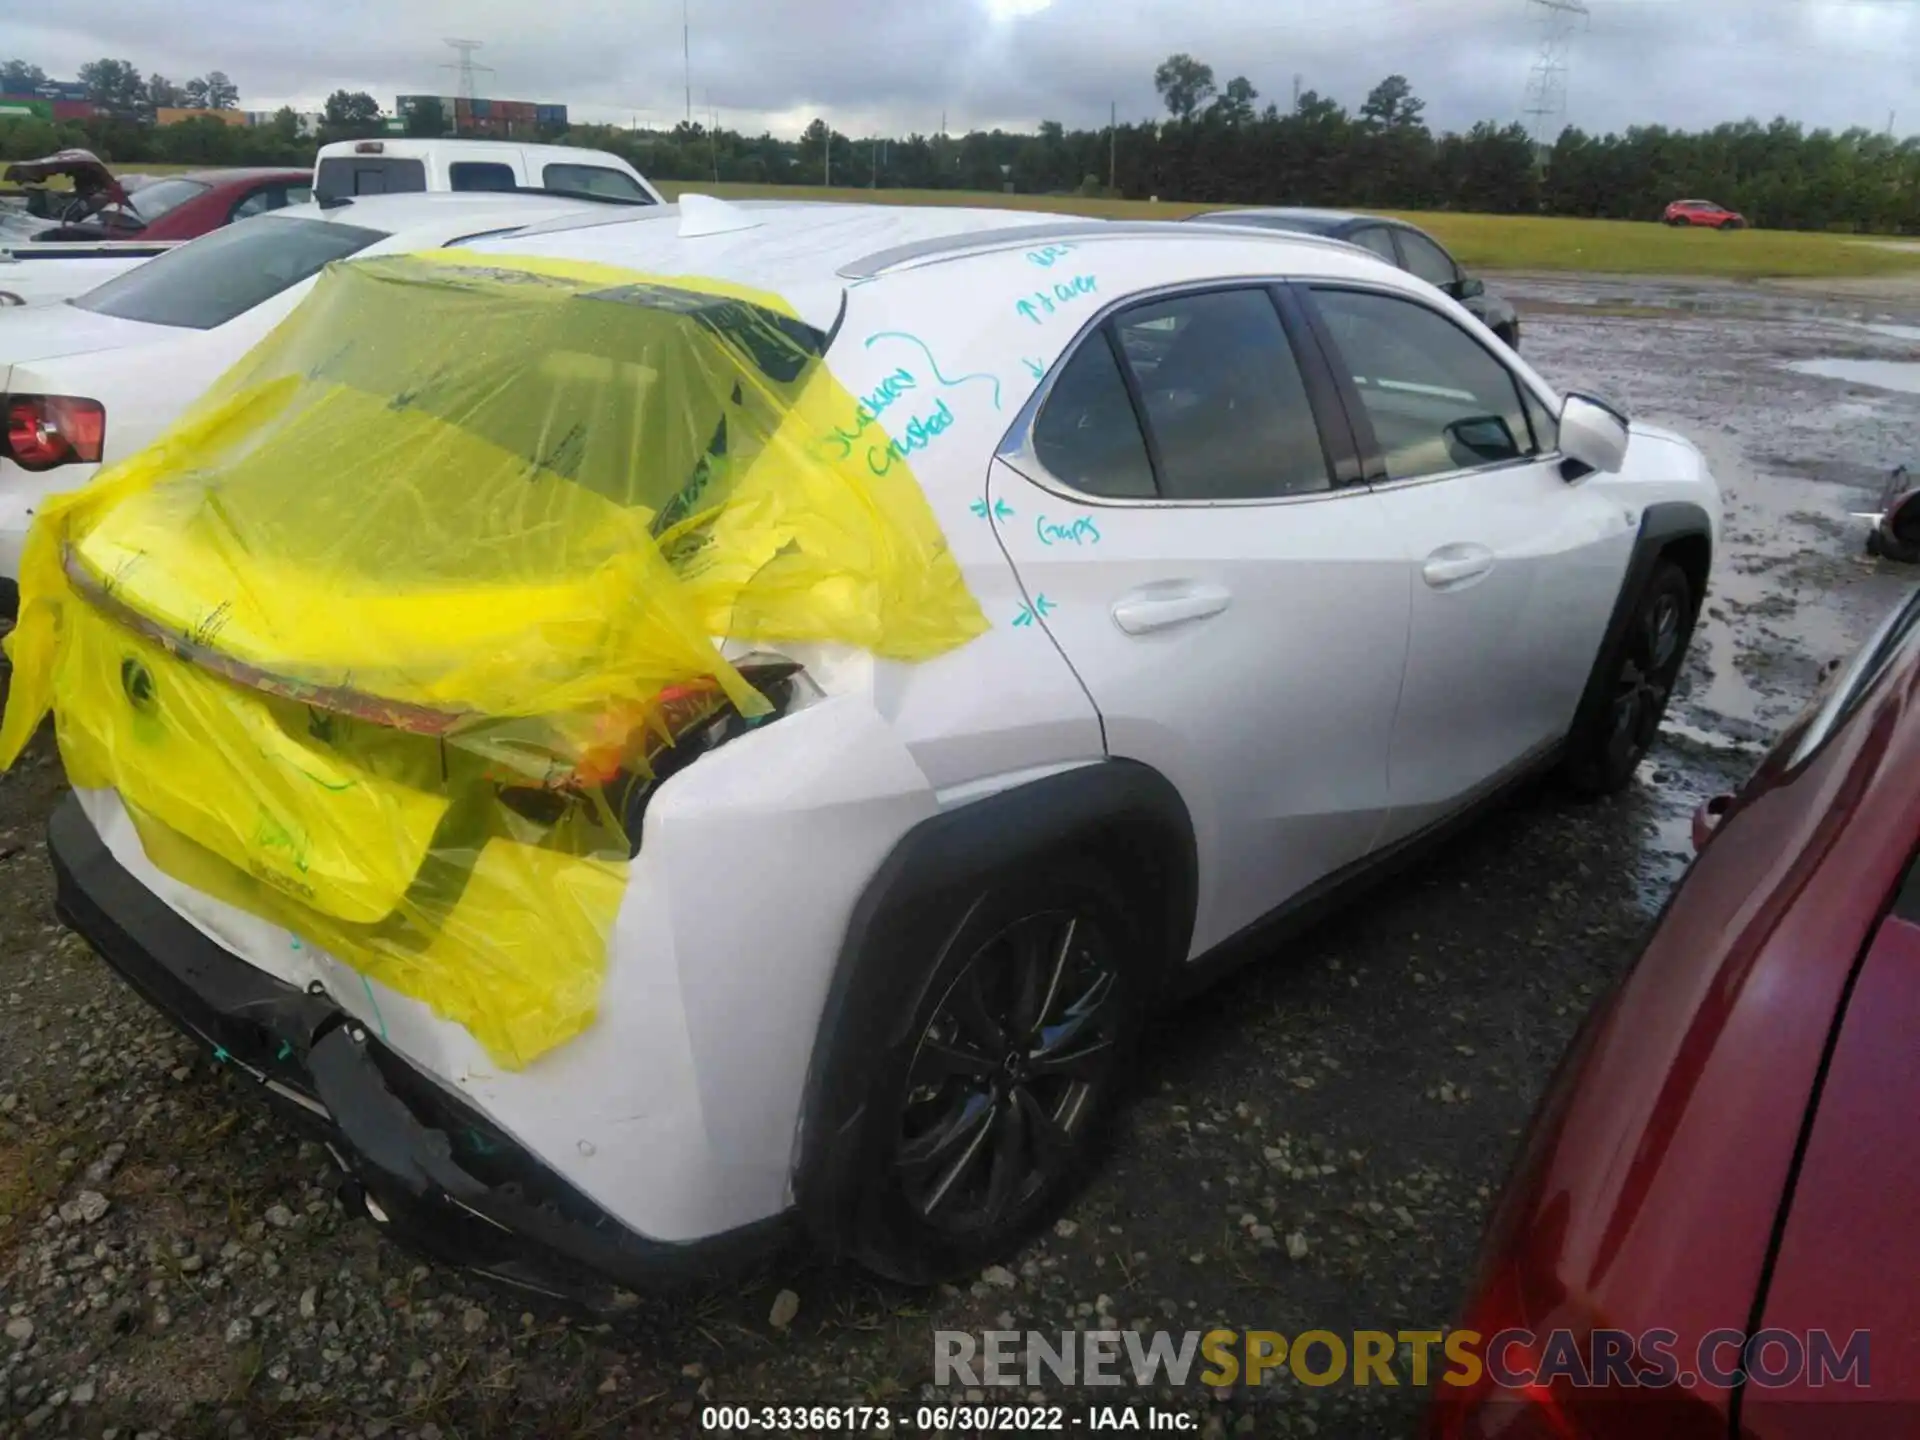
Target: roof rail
point(1015, 237)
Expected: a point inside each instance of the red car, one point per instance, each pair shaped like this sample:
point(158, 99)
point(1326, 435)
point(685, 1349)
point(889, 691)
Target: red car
point(173, 207)
point(1710, 1228)
point(1704, 212)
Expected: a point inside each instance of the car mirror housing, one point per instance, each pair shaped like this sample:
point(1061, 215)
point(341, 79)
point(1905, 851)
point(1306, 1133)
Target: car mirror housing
point(1592, 433)
point(1469, 287)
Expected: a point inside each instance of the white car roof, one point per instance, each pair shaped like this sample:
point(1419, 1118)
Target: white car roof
point(422, 215)
point(809, 253)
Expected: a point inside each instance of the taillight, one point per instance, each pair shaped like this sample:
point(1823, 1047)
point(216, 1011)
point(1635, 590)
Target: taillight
point(45, 431)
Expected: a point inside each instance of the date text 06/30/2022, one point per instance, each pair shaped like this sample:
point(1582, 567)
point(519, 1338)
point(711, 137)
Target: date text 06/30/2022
point(983, 1419)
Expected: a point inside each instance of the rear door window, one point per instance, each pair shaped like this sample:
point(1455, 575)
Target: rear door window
point(1224, 398)
point(1224, 405)
point(223, 274)
point(348, 175)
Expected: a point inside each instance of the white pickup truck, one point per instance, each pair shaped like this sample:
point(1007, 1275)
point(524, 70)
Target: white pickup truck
point(383, 167)
point(33, 273)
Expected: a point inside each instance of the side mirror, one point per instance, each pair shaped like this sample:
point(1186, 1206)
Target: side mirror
point(1469, 287)
point(1593, 434)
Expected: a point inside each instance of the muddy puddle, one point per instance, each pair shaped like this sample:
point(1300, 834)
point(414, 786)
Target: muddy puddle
point(1802, 406)
point(1902, 375)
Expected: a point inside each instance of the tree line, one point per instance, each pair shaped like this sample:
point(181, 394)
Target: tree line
point(1217, 145)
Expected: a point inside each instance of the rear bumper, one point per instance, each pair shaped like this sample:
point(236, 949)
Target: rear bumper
point(424, 1164)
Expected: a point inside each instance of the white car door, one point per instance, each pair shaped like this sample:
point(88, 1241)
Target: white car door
point(1239, 619)
point(1515, 567)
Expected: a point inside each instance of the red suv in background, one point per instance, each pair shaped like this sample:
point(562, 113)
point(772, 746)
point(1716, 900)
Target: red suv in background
point(1727, 1166)
point(1704, 212)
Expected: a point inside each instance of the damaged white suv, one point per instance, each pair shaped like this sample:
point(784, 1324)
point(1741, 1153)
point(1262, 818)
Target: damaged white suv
point(1083, 604)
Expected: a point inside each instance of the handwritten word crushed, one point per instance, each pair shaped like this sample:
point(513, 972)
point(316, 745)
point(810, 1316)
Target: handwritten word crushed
point(1041, 303)
point(1081, 532)
point(1040, 609)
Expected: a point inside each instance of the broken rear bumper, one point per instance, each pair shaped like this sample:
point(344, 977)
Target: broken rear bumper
point(421, 1161)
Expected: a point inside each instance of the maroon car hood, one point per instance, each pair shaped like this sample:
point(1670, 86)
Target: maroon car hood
point(1850, 1255)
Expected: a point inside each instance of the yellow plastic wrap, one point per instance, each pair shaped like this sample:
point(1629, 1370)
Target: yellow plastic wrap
point(382, 641)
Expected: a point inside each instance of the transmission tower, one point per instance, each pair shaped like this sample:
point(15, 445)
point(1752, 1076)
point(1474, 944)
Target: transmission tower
point(1545, 106)
point(464, 68)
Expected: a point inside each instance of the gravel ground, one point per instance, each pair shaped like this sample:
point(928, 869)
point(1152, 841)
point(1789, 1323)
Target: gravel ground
point(1313, 1143)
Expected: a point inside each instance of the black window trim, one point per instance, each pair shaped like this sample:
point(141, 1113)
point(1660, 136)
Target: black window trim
point(1373, 462)
point(1336, 440)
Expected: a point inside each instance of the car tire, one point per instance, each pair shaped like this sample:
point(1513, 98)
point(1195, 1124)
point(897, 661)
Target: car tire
point(1608, 747)
point(984, 1114)
point(1509, 335)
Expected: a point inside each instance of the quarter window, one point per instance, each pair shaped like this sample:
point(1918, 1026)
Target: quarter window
point(1088, 435)
point(1438, 401)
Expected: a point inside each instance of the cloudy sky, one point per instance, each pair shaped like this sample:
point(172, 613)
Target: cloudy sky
point(893, 66)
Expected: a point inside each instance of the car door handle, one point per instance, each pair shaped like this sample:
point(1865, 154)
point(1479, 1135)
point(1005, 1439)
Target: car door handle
point(1452, 566)
point(1168, 603)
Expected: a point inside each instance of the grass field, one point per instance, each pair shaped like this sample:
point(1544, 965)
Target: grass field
point(1481, 242)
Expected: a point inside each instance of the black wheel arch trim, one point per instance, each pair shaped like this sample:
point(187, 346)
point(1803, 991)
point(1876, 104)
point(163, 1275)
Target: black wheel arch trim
point(918, 902)
point(1661, 526)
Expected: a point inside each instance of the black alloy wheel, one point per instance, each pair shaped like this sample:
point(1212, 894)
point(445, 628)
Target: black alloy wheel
point(1603, 757)
point(1650, 665)
point(1009, 1072)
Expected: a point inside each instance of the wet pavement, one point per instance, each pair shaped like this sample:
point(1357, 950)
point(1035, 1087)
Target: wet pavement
point(1312, 1143)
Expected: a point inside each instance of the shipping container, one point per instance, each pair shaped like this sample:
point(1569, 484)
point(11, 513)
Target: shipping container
point(26, 107)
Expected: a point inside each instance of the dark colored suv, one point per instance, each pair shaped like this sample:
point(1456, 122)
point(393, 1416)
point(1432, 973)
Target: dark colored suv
point(1407, 246)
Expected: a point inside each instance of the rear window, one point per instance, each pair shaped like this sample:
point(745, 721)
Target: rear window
point(593, 180)
point(210, 280)
point(150, 202)
point(345, 175)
